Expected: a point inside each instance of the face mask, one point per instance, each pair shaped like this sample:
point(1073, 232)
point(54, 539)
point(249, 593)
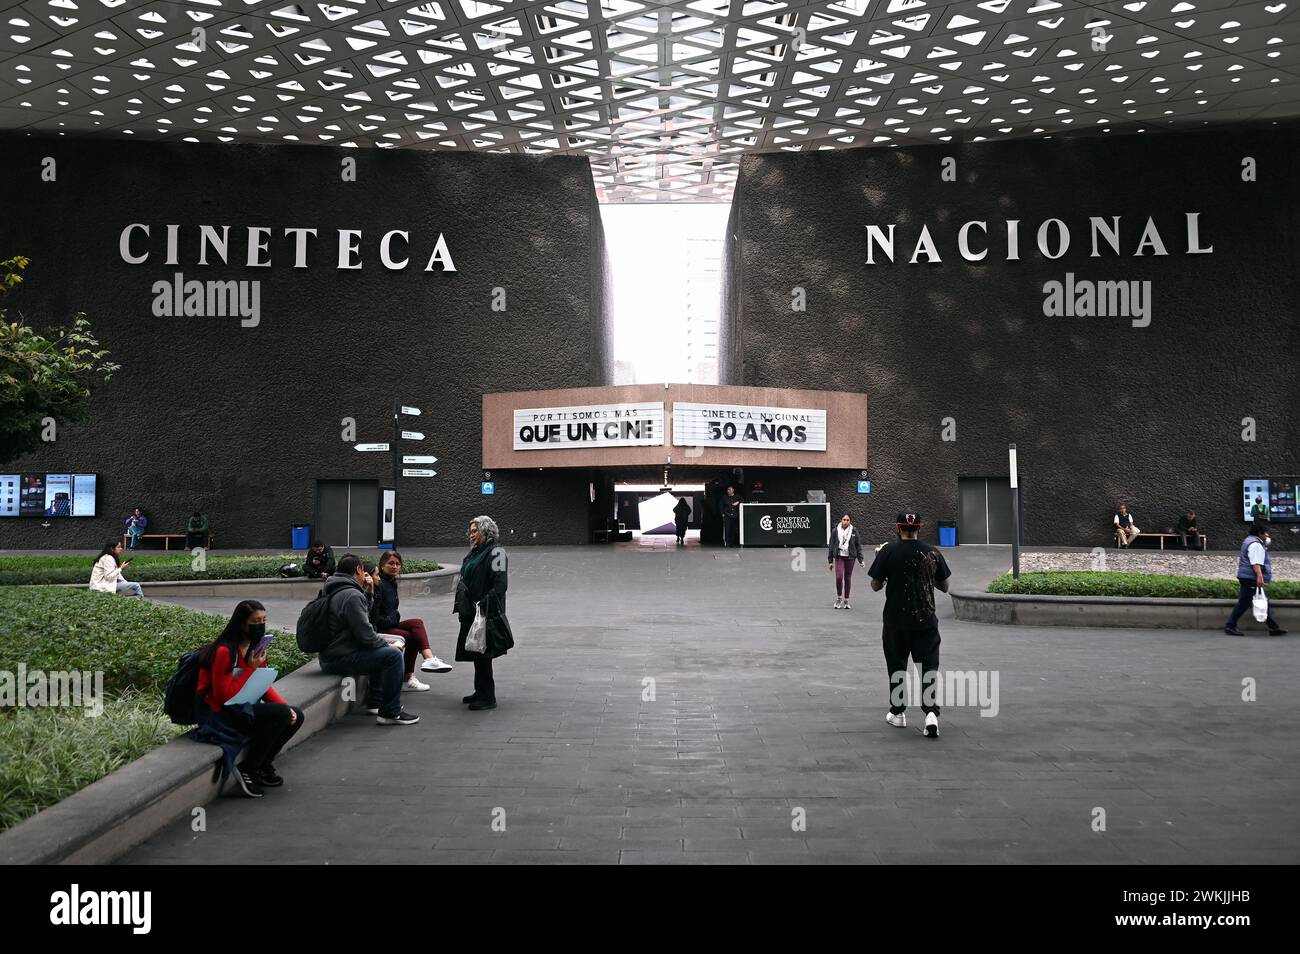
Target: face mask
point(256, 631)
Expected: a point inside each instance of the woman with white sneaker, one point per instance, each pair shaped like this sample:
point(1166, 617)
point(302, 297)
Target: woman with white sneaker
point(386, 619)
point(842, 551)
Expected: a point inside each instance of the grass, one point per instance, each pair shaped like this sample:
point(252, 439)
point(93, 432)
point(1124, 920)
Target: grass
point(157, 568)
point(47, 754)
point(1086, 583)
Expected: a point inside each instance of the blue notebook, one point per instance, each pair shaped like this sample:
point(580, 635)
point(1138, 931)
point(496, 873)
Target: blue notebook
point(255, 688)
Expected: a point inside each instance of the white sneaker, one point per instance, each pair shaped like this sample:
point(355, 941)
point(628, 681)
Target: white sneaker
point(414, 685)
point(846, 605)
point(434, 664)
point(931, 726)
point(838, 601)
point(897, 721)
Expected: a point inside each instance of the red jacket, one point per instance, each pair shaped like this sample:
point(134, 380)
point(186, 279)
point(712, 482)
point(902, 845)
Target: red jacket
point(219, 683)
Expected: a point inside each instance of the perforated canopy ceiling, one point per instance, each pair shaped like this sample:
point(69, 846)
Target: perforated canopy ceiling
point(662, 95)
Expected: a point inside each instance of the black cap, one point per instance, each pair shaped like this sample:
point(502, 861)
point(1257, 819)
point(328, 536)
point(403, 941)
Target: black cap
point(909, 520)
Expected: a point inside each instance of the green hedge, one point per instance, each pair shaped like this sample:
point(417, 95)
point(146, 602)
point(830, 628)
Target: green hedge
point(1085, 583)
point(158, 567)
point(47, 754)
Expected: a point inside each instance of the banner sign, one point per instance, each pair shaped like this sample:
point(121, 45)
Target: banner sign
point(785, 525)
point(734, 425)
point(596, 425)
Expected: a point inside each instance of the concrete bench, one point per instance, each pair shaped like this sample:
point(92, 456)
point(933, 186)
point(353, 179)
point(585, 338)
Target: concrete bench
point(108, 818)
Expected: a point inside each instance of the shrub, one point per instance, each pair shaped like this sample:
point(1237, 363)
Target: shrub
point(1086, 583)
point(157, 568)
point(46, 754)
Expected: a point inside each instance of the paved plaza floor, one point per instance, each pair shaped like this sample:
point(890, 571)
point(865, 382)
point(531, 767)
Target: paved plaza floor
point(764, 738)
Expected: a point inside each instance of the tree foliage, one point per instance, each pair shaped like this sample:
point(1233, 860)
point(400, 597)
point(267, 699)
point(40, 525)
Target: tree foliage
point(43, 375)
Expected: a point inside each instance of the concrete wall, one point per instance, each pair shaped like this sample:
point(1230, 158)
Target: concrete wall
point(240, 421)
point(1101, 410)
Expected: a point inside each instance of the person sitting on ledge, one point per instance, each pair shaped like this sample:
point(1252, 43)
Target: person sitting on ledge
point(196, 531)
point(355, 649)
point(319, 561)
point(1192, 539)
point(136, 524)
point(106, 576)
point(1125, 530)
point(387, 620)
point(264, 726)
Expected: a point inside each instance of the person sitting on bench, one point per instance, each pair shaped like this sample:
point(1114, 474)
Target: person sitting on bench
point(136, 524)
point(1125, 530)
point(196, 531)
point(1192, 539)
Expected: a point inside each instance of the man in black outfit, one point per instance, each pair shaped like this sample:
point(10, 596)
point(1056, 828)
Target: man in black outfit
point(730, 518)
point(908, 571)
point(318, 564)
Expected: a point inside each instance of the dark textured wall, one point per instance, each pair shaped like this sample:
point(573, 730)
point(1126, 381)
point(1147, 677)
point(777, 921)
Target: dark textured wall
point(241, 421)
point(1101, 410)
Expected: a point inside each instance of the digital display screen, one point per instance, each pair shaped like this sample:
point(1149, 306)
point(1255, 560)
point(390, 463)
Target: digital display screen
point(47, 495)
point(1277, 494)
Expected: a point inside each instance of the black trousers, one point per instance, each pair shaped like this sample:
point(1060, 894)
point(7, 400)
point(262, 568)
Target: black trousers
point(484, 686)
point(923, 646)
point(1193, 541)
point(268, 729)
point(1244, 598)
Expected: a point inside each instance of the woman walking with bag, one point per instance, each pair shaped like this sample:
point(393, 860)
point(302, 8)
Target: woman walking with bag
point(481, 605)
point(842, 551)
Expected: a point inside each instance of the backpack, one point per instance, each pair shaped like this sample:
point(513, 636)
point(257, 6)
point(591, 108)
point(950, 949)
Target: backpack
point(314, 631)
point(181, 689)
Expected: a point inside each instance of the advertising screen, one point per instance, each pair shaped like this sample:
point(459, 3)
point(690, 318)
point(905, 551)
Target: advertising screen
point(1278, 494)
point(47, 495)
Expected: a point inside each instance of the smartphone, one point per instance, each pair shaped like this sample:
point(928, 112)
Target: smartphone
point(261, 646)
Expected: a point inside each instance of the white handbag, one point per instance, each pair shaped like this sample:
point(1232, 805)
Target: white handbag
point(1259, 605)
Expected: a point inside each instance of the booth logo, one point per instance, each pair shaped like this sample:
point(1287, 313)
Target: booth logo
point(765, 523)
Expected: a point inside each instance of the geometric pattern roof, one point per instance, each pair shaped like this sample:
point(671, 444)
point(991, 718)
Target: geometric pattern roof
point(663, 96)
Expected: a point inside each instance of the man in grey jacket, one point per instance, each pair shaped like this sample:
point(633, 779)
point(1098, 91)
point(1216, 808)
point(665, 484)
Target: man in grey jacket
point(355, 649)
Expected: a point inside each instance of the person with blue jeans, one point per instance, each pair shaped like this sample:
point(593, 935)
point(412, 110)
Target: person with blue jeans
point(136, 524)
point(1254, 570)
point(355, 649)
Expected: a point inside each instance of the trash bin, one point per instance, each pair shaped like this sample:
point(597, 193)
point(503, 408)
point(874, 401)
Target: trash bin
point(301, 536)
point(947, 533)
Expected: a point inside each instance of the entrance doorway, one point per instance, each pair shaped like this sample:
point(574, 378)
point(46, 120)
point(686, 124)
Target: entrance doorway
point(985, 510)
point(347, 513)
point(647, 510)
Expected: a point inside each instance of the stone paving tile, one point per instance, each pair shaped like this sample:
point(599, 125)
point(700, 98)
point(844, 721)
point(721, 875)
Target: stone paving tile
point(768, 701)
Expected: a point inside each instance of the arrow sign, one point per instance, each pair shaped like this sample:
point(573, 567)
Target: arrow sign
point(411, 436)
point(418, 472)
point(413, 411)
point(419, 459)
point(370, 447)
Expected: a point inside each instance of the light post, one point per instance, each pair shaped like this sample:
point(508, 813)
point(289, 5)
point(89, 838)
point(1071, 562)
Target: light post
point(1015, 516)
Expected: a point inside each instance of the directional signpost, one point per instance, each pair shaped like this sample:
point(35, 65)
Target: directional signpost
point(371, 447)
point(399, 435)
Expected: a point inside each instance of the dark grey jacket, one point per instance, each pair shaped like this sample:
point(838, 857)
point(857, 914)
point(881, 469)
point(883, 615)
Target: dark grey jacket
point(833, 547)
point(350, 628)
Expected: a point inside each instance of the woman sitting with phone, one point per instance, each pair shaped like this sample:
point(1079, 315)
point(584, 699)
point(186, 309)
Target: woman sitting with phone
point(107, 575)
point(265, 724)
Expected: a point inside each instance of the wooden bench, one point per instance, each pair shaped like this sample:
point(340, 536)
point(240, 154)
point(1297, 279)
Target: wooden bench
point(167, 539)
point(1172, 536)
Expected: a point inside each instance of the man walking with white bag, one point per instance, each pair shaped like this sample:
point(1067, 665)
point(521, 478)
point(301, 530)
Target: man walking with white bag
point(1254, 570)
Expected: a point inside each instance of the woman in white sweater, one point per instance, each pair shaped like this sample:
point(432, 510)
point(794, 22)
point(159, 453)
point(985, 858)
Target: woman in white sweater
point(106, 576)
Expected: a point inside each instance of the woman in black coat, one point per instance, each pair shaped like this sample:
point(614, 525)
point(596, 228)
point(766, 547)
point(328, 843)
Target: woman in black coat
point(483, 583)
point(681, 513)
